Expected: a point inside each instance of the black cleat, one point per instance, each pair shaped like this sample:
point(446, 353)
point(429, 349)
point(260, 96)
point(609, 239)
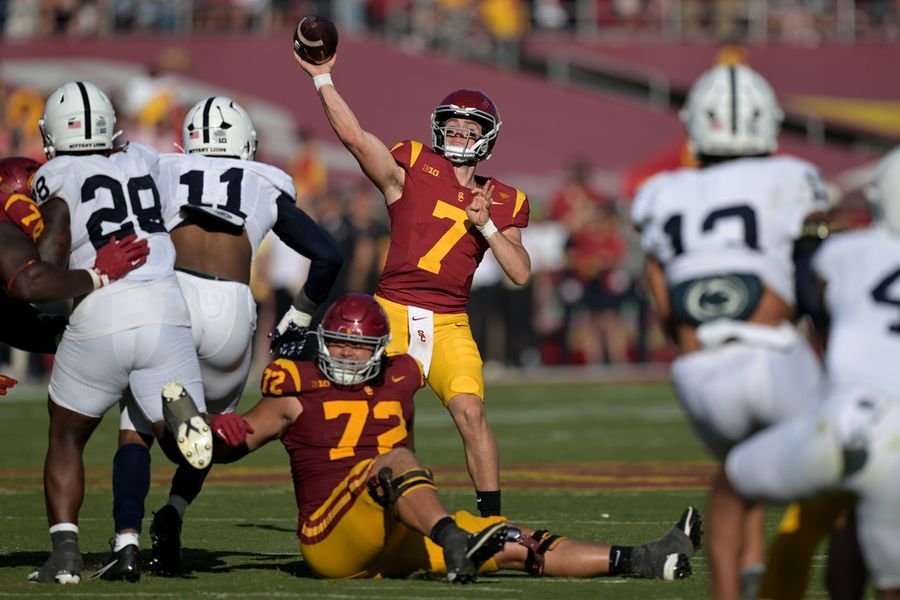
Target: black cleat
point(64, 564)
point(165, 539)
point(669, 556)
point(464, 555)
point(121, 566)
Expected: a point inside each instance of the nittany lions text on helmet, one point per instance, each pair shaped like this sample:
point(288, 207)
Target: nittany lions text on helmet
point(219, 126)
point(732, 111)
point(884, 194)
point(355, 319)
point(472, 105)
point(78, 117)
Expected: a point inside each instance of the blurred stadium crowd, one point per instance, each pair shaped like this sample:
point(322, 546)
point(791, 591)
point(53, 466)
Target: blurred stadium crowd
point(584, 304)
point(484, 24)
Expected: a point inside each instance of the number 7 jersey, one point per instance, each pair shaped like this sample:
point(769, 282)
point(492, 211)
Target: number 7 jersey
point(739, 216)
point(434, 248)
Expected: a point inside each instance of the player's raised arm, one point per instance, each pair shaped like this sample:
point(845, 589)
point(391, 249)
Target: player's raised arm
point(370, 152)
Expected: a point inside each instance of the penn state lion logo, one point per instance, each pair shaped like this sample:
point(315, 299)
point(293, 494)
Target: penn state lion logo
point(716, 298)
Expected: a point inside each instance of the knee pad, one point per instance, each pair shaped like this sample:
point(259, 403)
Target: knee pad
point(538, 543)
point(386, 489)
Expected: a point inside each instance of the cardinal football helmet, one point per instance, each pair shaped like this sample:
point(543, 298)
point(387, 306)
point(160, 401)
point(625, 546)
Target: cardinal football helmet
point(356, 319)
point(219, 126)
point(78, 117)
point(884, 194)
point(466, 104)
point(732, 111)
point(16, 204)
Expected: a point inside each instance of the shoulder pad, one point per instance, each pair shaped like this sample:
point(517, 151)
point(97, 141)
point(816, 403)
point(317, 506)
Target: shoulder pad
point(281, 377)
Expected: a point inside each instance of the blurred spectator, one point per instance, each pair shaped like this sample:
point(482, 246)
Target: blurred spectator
point(572, 203)
point(596, 252)
point(550, 15)
point(308, 168)
point(370, 237)
point(507, 23)
point(19, 135)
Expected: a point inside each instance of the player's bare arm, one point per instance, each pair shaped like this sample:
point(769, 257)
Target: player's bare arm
point(370, 152)
point(270, 419)
point(659, 293)
point(56, 241)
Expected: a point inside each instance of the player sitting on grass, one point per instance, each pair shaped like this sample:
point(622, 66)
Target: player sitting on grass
point(367, 506)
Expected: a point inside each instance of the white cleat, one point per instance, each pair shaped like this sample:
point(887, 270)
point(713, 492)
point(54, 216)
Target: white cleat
point(192, 434)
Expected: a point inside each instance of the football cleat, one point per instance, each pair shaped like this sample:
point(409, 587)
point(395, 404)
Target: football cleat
point(121, 565)
point(165, 537)
point(64, 564)
point(464, 555)
point(669, 557)
point(192, 434)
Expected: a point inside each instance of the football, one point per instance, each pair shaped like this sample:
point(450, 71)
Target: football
point(315, 39)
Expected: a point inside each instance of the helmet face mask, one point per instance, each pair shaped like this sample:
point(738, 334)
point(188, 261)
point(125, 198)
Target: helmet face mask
point(732, 111)
point(359, 321)
point(219, 126)
point(469, 105)
point(884, 194)
point(78, 117)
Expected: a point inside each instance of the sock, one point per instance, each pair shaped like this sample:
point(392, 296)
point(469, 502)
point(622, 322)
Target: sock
point(179, 504)
point(443, 528)
point(187, 483)
point(131, 483)
point(125, 539)
point(488, 503)
point(620, 560)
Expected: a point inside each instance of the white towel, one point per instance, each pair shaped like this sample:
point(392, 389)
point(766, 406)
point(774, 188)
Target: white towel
point(421, 335)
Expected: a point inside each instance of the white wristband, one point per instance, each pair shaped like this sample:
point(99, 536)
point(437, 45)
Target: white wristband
point(323, 79)
point(488, 229)
point(99, 279)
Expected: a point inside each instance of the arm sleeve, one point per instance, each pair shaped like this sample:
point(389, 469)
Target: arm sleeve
point(303, 235)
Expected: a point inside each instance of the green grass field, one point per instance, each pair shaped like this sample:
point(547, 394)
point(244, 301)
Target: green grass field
point(615, 463)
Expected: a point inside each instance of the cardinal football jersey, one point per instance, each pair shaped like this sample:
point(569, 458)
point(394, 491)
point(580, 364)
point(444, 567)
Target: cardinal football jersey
point(434, 248)
point(340, 425)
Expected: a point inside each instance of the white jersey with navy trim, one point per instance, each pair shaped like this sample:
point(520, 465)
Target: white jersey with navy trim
point(110, 196)
point(740, 216)
point(861, 271)
point(240, 191)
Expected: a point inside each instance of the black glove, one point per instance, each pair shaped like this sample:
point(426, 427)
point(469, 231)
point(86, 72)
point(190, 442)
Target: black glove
point(289, 336)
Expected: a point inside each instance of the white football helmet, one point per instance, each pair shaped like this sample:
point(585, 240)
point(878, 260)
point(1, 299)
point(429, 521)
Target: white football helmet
point(219, 126)
point(78, 117)
point(884, 194)
point(732, 111)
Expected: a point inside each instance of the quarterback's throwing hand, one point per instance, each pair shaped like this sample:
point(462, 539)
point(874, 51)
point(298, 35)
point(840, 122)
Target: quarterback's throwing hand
point(231, 428)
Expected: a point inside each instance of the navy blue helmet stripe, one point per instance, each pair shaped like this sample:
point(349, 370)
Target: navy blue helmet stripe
point(732, 72)
point(206, 108)
point(87, 109)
